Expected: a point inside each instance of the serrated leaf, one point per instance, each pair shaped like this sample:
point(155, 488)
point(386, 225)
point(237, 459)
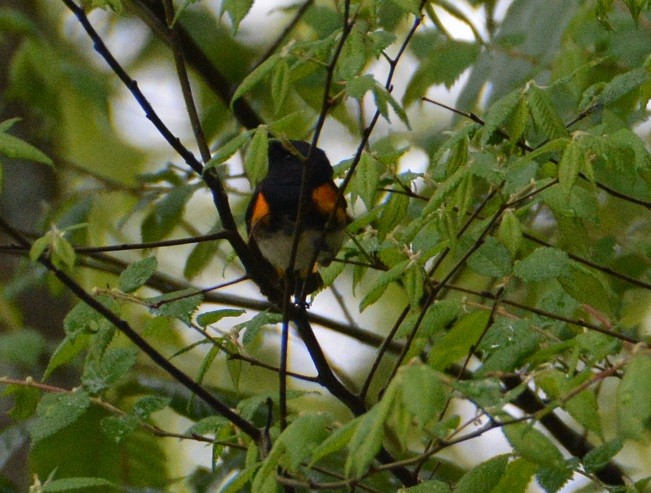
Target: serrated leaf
point(393, 214)
point(200, 256)
point(532, 445)
point(117, 428)
point(622, 84)
point(369, 434)
point(497, 114)
point(516, 477)
point(423, 393)
point(552, 479)
point(587, 286)
point(166, 214)
point(544, 114)
point(101, 372)
point(366, 178)
point(178, 304)
point(137, 274)
point(293, 446)
point(255, 76)
point(15, 148)
point(510, 232)
point(57, 410)
point(600, 456)
point(69, 484)
point(215, 316)
point(444, 189)
point(383, 99)
point(569, 167)
point(444, 64)
point(413, 281)
point(634, 398)
point(483, 477)
point(456, 343)
point(236, 10)
point(256, 160)
point(431, 486)
point(280, 85)
point(150, 404)
point(491, 259)
point(543, 263)
point(380, 285)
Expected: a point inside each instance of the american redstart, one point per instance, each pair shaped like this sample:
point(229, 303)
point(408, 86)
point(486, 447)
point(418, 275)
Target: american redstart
point(272, 213)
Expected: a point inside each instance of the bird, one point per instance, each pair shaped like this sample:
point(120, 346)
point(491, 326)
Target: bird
point(271, 215)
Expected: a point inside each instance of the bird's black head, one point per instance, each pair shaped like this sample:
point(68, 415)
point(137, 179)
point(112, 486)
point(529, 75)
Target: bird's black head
point(286, 165)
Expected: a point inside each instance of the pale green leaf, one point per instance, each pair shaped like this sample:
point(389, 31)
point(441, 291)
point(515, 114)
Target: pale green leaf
point(137, 274)
point(256, 160)
point(15, 148)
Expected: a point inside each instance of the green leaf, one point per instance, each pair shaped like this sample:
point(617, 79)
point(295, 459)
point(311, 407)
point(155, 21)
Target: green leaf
point(552, 479)
point(544, 114)
point(423, 393)
point(634, 398)
point(15, 148)
point(223, 153)
point(237, 11)
point(166, 214)
point(255, 76)
point(569, 167)
point(137, 274)
point(199, 259)
point(280, 85)
point(67, 349)
point(587, 286)
point(600, 456)
point(497, 114)
point(483, 477)
point(383, 99)
point(366, 178)
point(256, 324)
point(369, 434)
point(393, 214)
point(335, 441)
point(101, 372)
point(25, 401)
point(516, 477)
point(456, 343)
point(117, 428)
point(68, 484)
point(413, 281)
point(444, 64)
point(56, 411)
point(510, 356)
point(431, 486)
point(150, 404)
point(380, 285)
point(532, 445)
point(622, 84)
point(491, 259)
point(178, 304)
point(543, 263)
point(510, 232)
point(215, 316)
point(357, 87)
point(444, 189)
point(256, 160)
point(293, 446)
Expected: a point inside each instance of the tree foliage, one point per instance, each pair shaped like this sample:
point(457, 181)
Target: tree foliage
point(499, 249)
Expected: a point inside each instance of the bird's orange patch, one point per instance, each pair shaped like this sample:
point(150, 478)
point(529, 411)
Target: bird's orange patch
point(325, 197)
point(260, 210)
